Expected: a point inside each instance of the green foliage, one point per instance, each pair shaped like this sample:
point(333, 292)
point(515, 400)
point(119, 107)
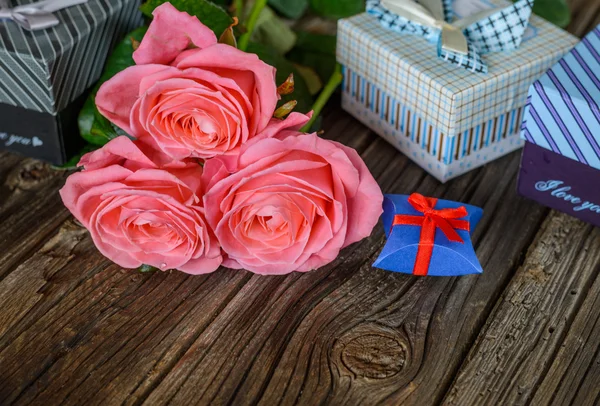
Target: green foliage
point(555, 11)
point(293, 9)
point(338, 8)
point(211, 15)
point(284, 68)
point(271, 31)
point(122, 55)
point(147, 269)
point(72, 163)
point(316, 51)
point(94, 127)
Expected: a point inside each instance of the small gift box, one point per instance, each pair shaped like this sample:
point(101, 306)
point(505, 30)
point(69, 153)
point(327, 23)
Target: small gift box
point(449, 112)
point(560, 166)
point(428, 236)
point(51, 52)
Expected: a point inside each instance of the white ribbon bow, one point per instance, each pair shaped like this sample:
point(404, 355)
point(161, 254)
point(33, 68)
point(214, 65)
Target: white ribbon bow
point(430, 13)
point(36, 16)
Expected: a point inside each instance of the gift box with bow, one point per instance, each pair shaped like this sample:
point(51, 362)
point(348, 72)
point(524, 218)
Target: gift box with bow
point(51, 52)
point(560, 166)
point(443, 81)
point(428, 236)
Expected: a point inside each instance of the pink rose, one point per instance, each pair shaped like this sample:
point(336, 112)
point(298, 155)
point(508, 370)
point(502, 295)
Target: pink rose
point(295, 201)
point(142, 208)
point(188, 95)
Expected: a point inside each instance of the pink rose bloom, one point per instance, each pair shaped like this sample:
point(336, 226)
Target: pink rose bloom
point(188, 95)
point(143, 208)
point(295, 201)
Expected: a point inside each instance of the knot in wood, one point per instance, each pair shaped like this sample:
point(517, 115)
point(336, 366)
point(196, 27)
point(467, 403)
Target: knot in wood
point(28, 174)
point(375, 356)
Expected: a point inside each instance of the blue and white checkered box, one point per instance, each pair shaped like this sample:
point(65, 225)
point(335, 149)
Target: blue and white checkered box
point(447, 119)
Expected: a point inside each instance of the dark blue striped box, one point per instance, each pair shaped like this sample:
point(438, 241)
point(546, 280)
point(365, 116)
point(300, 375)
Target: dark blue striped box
point(560, 167)
point(45, 74)
point(563, 107)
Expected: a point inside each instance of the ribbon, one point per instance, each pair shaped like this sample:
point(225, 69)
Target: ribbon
point(431, 14)
point(460, 42)
point(444, 219)
point(36, 16)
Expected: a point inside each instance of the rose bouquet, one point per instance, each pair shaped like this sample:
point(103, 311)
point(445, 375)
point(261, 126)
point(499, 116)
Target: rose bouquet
point(203, 168)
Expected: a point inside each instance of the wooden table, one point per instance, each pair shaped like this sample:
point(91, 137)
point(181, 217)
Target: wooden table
point(77, 329)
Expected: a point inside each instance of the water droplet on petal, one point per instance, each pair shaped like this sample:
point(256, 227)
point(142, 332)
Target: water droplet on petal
point(163, 265)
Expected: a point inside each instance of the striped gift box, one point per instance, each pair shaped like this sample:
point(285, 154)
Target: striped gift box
point(560, 167)
point(447, 119)
point(47, 69)
point(563, 106)
point(43, 72)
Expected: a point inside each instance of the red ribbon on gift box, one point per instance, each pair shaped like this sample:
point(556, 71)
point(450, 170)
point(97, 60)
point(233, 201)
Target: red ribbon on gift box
point(444, 219)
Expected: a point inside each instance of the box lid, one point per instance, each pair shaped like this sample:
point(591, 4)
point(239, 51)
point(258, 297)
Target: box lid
point(563, 108)
point(45, 70)
point(451, 98)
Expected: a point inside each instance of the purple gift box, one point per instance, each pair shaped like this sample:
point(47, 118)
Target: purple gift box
point(560, 167)
point(561, 183)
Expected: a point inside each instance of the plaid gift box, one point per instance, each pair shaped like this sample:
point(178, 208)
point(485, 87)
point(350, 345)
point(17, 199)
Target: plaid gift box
point(44, 74)
point(561, 160)
point(446, 118)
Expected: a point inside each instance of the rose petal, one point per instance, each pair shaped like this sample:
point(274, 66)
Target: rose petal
point(116, 96)
point(116, 150)
point(247, 70)
point(171, 32)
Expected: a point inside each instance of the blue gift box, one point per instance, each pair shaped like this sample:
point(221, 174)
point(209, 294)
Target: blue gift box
point(448, 258)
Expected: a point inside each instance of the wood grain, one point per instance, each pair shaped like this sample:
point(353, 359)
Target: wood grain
point(529, 324)
point(574, 373)
point(76, 329)
point(30, 208)
point(94, 333)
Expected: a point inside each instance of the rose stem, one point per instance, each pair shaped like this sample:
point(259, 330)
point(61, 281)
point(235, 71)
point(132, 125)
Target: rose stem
point(239, 9)
point(252, 19)
point(332, 84)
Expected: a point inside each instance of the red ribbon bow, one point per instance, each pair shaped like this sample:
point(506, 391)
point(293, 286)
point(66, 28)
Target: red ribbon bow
point(444, 219)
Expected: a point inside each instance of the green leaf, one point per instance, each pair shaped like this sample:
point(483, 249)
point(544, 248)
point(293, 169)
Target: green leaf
point(122, 56)
point(271, 31)
point(316, 51)
point(284, 68)
point(555, 11)
point(338, 8)
point(320, 43)
point(72, 163)
point(312, 79)
point(293, 9)
point(211, 15)
point(94, 127)
point(147, 269)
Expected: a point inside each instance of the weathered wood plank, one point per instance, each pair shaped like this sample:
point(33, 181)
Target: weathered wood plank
point(97, 335)
point(521, 338)
point(573, 376)
point(312, 353)
point(75, 329)
point(85, 312)
point(30, 209)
